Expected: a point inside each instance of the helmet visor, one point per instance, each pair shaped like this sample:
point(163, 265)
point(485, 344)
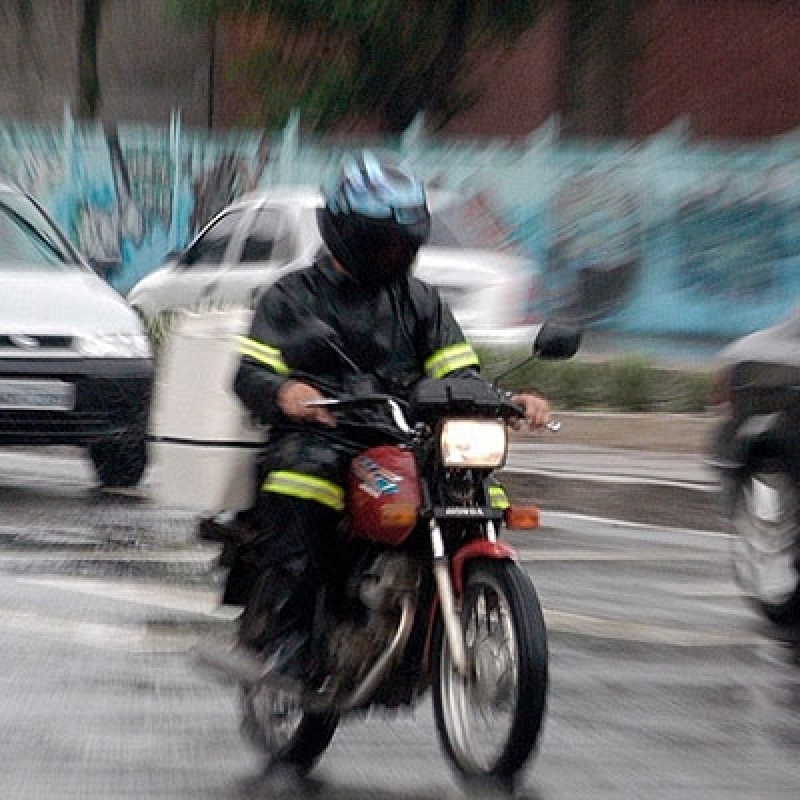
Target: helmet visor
point(389, 254)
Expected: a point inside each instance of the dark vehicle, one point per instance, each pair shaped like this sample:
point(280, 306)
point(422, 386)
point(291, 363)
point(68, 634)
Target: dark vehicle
point(757, 451)
point(76, 366)
point(434, 598)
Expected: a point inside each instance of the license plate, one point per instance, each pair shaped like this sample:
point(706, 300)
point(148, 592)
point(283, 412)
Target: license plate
point(18, 395)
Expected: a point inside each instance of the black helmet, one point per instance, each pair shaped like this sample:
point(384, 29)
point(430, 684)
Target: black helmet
point(375, 218)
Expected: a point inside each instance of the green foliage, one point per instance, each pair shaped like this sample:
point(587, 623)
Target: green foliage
point(623, 383)
point(631, 384)
point(395, 58)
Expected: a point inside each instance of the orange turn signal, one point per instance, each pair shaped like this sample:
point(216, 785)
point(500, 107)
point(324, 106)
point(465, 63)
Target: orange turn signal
point(522, 517)
point(399, 514)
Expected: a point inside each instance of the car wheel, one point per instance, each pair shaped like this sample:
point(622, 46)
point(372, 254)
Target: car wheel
point(766, 542)
point(119, 462)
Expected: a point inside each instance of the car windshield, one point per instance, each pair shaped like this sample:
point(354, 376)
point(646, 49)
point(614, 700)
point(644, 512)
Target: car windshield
point(28, 239)
point(468, 225)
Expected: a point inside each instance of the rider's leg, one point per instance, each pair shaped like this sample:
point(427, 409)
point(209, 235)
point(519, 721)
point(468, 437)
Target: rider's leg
point(284, 566)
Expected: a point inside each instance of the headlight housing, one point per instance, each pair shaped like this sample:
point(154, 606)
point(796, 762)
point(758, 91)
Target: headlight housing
point(474, 443)
point(115, 345)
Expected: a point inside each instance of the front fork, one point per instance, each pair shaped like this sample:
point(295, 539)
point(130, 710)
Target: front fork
point(450, 582)
point(447, 600)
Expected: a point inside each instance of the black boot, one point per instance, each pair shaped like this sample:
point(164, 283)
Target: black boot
point(276, 623)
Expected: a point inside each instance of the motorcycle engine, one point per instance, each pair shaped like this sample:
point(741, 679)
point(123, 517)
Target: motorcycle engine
point(354, 645)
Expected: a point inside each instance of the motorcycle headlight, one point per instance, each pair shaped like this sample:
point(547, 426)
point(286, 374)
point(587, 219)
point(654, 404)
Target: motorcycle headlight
point(115, 345)
point(473, 443)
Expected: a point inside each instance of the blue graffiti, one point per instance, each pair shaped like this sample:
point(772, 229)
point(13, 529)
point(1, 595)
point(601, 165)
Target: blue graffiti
point(663, 238)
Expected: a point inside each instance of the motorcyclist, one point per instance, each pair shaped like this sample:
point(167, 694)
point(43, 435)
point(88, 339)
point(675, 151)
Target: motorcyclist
point(358, 298)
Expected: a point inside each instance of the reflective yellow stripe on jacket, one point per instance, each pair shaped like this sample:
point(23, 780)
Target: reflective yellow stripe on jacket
point(306, 487)
point(263, 353)
point(455, 356)
point(498, 498)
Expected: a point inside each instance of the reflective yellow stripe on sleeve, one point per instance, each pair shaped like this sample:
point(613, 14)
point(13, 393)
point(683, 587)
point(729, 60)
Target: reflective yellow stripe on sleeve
point(306, 487)
point(456, 356)
point(263, 354)
point(498, 498)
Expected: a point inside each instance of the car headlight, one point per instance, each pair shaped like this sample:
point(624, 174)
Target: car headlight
point(115, 345)
point(474, 443)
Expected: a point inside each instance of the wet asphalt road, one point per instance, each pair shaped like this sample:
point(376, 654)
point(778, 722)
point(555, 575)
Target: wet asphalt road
point(664, 684)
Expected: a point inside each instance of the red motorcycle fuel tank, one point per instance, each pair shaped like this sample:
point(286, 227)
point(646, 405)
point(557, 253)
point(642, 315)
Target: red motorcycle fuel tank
point(383, 494)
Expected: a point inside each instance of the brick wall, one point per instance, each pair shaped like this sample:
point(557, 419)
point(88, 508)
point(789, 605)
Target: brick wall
point(732, 66)
point(522, 84)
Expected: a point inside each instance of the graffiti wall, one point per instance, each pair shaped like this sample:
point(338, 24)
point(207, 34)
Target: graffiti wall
point(657, 238)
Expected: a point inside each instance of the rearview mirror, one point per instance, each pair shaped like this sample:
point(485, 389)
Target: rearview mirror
point(556, 341)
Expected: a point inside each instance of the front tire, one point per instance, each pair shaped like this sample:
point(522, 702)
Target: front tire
point(766, 542)
point(506, 643)
point(121, 462)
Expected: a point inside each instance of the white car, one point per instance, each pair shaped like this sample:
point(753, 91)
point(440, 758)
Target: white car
point(76, 366)
point(488, 284)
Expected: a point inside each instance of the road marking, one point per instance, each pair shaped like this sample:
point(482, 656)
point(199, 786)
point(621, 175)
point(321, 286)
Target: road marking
point(529, 555)
point(172, 556)
point(616, 479)
point(552, 518)
point(141, 638)
point(205, 602)
point(645, 633)
point(129, 638)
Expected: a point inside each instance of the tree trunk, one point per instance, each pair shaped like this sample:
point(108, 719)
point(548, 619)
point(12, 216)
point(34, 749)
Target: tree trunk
point(597, 73)
point(88, 75)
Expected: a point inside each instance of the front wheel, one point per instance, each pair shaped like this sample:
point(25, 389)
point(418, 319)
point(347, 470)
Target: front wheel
point(489, 720)
point(121, 462)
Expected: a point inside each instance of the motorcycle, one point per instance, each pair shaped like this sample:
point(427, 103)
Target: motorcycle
point(434, 598)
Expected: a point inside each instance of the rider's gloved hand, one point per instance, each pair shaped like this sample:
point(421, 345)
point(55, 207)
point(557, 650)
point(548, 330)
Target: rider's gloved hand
point(293, 399)
point(537, 410)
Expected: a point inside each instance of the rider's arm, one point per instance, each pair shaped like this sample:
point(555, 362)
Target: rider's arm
point(445, 350)
point(263, 371)
point(449, 354)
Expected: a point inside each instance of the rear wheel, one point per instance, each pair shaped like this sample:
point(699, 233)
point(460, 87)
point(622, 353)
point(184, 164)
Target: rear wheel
point(273, 718)
point(766, 542)
point(489, 720)
point(274, 722)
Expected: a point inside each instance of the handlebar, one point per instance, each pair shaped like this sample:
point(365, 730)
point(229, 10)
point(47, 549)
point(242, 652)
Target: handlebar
point(364, 401)
point(396, 407)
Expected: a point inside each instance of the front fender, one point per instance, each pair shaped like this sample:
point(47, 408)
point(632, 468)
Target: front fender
point(479, 548)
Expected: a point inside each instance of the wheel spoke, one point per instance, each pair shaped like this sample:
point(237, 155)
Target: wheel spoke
point(481, 705)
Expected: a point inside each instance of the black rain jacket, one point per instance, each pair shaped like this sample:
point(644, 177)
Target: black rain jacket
point(395, 336)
